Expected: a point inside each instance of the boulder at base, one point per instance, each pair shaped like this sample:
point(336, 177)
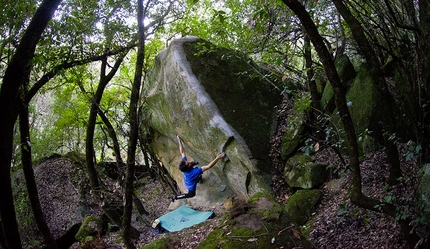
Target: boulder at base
point(207, 95)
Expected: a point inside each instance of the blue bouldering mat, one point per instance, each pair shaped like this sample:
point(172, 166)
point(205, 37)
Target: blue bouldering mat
point(183, 217)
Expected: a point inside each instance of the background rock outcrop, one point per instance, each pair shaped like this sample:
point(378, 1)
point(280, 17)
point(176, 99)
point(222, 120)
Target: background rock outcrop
point(206, 95)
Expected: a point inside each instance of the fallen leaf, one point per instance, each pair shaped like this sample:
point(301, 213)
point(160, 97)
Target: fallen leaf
point(296, 233)
point(317, 147)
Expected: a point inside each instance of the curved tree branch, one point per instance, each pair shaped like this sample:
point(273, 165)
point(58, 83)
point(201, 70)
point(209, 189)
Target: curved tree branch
point(66, 65)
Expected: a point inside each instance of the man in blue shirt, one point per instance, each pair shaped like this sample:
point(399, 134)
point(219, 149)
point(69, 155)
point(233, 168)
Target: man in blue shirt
point(192, 175)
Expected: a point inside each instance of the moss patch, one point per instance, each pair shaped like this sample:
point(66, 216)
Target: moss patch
point(265, 206)
point(255, 228)
point(161, 243)
point(91, 226)
point(302, 204)
point(301, 172)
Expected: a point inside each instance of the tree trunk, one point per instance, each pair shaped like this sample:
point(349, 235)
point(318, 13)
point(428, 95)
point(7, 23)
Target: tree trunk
point(27, 166)
point(89, 145)
point(9, 103)
point(2, 238)
point(316, 99)
point(385, 107)
point(114, 138)
point(134, 131)
point(338, 89)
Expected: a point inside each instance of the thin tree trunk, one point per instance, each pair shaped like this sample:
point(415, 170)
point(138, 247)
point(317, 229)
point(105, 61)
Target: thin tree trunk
point(30, 181)
point(9, 109)
point(134, 126)
point(89, 145)
point(385, 107)
point(315, 96)
point(2, 238)
point(114, 138)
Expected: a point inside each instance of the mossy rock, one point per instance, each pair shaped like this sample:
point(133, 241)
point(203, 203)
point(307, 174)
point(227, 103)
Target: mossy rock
point(345, 68)
point(423, 196)
point(363, 101)
point(264, 205)
point(92, 225)
point(302, 204)
point(228, 237)
point(320, 79)
point(207, 95)
point(307, 228)
point(346, 73)
point(256, 228)
point(327, 99)
point(76, 157)
point(293, 133)
point(301, 172)
point(161, 243)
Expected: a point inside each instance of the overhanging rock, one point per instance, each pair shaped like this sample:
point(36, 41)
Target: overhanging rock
point(206, 95)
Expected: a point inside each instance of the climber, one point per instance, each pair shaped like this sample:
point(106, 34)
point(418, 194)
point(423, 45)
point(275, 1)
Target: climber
point(192, 175)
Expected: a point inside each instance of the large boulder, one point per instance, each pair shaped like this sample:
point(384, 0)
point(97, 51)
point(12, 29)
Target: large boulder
point(207, 95)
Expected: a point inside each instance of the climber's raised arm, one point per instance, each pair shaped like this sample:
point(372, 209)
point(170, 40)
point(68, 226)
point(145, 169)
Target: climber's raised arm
point(211, 164)
point(181, 147)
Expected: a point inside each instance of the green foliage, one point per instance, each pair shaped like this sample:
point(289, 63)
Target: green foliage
point(308, 147)
point(414, 151)
point(303, 103)
point(342, 212)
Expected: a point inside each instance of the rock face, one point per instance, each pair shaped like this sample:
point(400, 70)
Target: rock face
point(423, 194)
point(206, 95)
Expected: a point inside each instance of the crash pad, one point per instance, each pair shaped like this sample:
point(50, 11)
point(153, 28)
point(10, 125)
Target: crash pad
point(183, 217)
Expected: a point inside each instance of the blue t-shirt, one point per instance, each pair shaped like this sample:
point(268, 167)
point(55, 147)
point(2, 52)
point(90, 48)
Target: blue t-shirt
point(192, 177)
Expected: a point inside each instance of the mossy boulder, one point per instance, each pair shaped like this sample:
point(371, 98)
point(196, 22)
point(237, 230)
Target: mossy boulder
point(251, 230)
point(91, 226)
point(423, 194)
point(301, 172)
point(363, 101)
point(208, 94)
point(302, 204)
